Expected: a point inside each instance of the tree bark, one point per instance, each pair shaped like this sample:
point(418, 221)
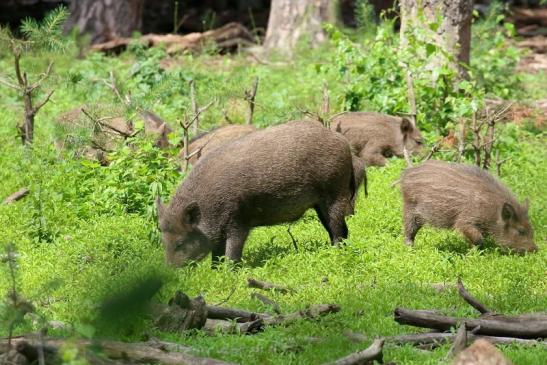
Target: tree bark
point(291, 20)
point(454, 32)
point(104, 20)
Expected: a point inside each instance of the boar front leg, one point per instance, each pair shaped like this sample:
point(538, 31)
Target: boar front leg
point(235, 240)
point(472, 233)
point(372, 155)
point(219, 251)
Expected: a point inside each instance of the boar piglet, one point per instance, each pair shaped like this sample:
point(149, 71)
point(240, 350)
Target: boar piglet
point(374, 136)
point(204, 143)
point(468, 199)
point(267, 177)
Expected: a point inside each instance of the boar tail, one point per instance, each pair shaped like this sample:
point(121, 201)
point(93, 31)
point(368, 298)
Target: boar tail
point(358, 176)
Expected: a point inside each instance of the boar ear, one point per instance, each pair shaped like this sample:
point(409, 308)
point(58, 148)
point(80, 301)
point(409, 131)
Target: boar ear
point(192, 214)
point(339, 127)
point(406, 126)
point(507, 212)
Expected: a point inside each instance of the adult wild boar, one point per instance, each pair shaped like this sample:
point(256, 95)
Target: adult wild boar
point(267, 177)
point(468, 199)
point(206, 142)
point(375, 136)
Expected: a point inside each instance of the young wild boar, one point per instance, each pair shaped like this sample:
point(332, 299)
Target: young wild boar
point(206, 142)
point(374, 136)
point(466, 198)
point(268, 177)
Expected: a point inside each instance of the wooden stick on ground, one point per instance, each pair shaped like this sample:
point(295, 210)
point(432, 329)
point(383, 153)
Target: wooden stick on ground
point(314, 311)
point(523, 326)
point(140, 352)
point(253, 283)
point(460, 341)
point(470, 299)
point(240, 315)
point(439, 338)
point(18, 195)
point(215, 326)
point(373, 352)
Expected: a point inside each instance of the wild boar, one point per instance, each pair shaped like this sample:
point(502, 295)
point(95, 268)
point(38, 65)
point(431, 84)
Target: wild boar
point(468, 199)
point(267, 177)
point(374, 136)
point(206, 142)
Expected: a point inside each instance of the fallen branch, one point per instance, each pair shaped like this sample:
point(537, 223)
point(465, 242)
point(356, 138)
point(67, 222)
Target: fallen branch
point(439, 338)
point(141, 352)
point(18, 195)
point(373, 352)
point(226, 37)
point(313, 312)
point(239, 315)
point(459, 343)
point(470, 299)
point(267, 301)
point(257, 284)
point(216, 326)
point(523, 326)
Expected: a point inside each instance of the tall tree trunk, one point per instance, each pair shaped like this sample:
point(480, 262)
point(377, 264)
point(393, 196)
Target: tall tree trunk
point(290, 20)
point(454, 33)
point(106, 19)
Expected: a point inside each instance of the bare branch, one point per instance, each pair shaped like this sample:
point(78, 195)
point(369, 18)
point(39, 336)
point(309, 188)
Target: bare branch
point(44, 76)
point(253, 283)
point(195, 108)
point(8, 84)
point(460, 341)
point(250, 96)
point(17, 62)
point(470, 299)
point(40, 105)
point(267, 301)
point(411, 97)
point(373, 352)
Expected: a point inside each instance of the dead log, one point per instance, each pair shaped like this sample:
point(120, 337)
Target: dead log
point(439, 338)
point(226, 37)
point(140, 352)
point(313, 312)
point(523, 326)
point(216, 326)
point(18, 195)
point(257, 284)
point(239, 315)
point(181, 314)
point(373, 352)
point(470, 299)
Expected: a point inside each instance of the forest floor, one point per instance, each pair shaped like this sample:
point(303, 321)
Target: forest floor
point(84, 230)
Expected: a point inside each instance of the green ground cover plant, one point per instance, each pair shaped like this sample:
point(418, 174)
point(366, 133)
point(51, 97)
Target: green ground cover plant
point(86, 230)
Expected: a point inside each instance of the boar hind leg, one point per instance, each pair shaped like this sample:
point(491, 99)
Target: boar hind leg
point(234, 244)
point(333, 219)
point(471, 232)
point(413, 223)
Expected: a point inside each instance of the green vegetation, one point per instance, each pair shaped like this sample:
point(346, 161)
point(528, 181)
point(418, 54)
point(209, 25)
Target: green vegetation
point(85, 230)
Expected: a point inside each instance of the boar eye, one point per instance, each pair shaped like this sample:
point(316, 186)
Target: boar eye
point(419, 142)
point(522, 232)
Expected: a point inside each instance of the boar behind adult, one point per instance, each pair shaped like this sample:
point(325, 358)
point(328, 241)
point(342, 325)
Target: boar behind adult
point(468, 199)
point(267, 177)
point(375, 136)
point(206, 142)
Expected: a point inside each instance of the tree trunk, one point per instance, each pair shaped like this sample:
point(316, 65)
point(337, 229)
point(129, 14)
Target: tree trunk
point(290, 20)
point(106, 19)
point(454, 32)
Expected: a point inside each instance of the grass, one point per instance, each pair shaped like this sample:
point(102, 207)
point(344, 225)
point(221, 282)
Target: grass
point(77, 242)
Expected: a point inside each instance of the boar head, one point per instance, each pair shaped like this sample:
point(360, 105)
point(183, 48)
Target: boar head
point(513, 230)
point(412, 138)
point(182, 239)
